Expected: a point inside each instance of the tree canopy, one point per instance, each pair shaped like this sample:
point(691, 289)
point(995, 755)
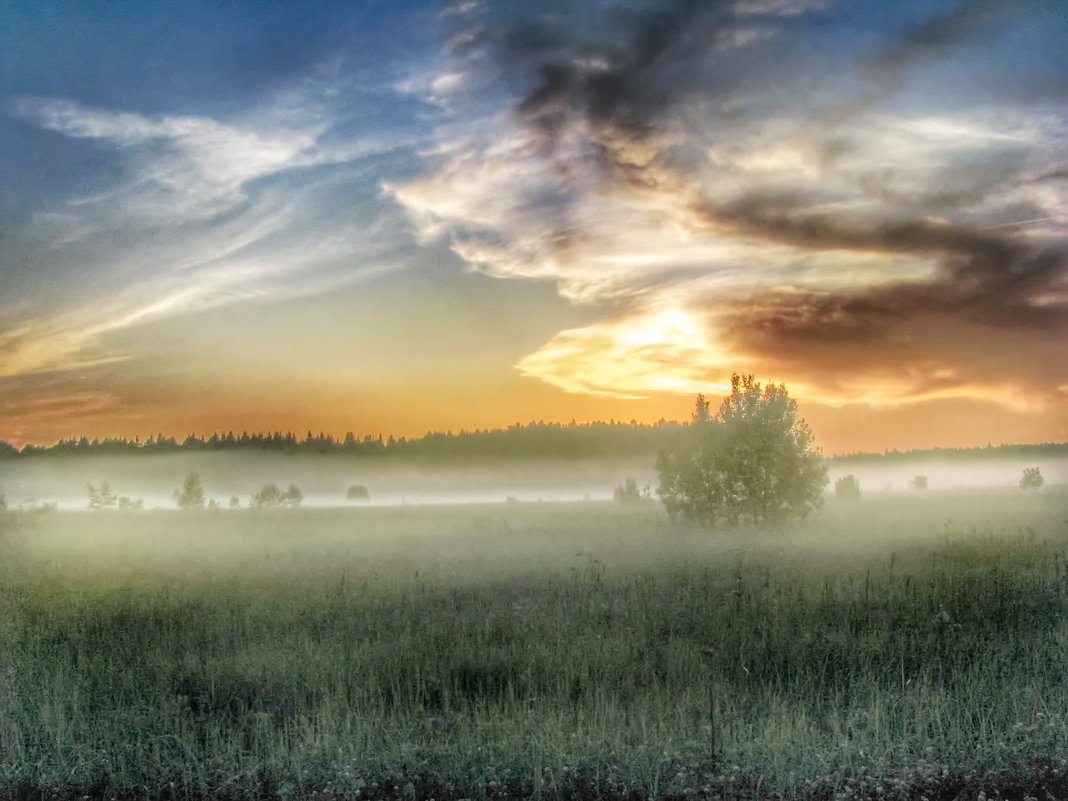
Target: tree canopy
point(753, 460)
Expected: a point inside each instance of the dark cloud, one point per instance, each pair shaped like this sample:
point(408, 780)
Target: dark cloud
point(980, 263)
point(831, 342)
point(618, 73)
point(984, 327)
point(989, 281)
point(621, 85)
point(616, 70)
point(894, 62)
point(929, 38)
point(769, 133)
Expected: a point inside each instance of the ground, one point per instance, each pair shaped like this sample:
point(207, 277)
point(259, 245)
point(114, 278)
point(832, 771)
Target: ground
point(899, 646)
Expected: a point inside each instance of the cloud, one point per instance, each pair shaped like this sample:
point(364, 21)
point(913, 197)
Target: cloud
point(30, 404)
point(183, 167)
point(655, 159)
point(930, 37)
point(204, 213)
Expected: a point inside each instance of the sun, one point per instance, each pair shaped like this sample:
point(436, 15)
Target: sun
point(673, 327)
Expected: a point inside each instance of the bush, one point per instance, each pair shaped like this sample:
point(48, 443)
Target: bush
point(1031, 479)
point(357, 492)
point(847, 488)
point(271, 496)
point(753, 460)
point(130, 504)
point(918, 482)
point(628, 492)
point(191, 495)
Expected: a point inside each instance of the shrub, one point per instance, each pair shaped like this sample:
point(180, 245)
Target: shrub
point(753, 460)
point(1031, 479)
point(271, 496)
point(357, 492)
point(847, 488)
point(918, 482)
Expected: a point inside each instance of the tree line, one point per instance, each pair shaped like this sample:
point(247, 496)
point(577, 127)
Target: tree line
point(1046, 449)
point(533, 440)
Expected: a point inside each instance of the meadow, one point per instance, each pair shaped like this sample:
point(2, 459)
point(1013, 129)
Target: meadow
point(896, 647)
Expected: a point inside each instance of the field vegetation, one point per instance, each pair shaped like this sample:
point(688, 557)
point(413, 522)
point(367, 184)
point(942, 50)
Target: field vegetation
point(883, 648)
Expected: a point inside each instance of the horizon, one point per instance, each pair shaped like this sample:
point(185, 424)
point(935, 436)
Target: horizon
point(230, 439)
point(443, 216)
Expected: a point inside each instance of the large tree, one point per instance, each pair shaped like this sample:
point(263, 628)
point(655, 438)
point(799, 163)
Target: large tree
point(753, 460)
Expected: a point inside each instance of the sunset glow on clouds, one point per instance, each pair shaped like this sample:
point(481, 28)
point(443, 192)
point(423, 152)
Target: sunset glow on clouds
point(866, 203)
point(860, 252)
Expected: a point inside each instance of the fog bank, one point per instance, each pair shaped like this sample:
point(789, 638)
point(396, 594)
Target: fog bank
point(324, 479)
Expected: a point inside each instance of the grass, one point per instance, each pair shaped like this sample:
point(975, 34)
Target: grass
point(886, 648)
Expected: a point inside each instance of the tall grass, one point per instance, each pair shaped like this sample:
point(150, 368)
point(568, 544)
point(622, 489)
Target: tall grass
point(533, 650)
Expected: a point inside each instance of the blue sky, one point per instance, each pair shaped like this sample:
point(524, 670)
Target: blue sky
point(450, 215)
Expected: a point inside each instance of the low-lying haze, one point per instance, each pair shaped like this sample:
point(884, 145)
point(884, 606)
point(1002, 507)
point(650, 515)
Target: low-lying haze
point(324, 480)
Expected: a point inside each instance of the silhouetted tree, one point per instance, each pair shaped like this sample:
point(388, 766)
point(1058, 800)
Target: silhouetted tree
point(292, 497)
point(269, 496)
point(1031, 479)
point(753, 460)
point(101, 497)
point(191, 495)
point(628, 492)
point(847, 488)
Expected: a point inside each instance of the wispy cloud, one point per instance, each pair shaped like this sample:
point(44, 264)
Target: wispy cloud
point(205, 213)
point(644, 169)
point(182, 167)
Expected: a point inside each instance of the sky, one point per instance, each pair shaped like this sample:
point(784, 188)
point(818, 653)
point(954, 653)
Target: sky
point(393, 217)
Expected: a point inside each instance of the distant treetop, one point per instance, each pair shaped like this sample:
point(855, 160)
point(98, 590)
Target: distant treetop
point(533, 440)
point(1048, 449)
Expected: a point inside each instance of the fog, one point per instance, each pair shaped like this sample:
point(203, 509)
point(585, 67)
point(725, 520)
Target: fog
point(947, 474)
point(324, 479)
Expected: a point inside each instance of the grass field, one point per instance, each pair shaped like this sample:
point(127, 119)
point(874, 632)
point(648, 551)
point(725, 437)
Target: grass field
point(896, 647)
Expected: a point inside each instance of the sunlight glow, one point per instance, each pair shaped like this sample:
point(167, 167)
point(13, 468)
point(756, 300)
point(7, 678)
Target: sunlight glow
point(673, 327)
